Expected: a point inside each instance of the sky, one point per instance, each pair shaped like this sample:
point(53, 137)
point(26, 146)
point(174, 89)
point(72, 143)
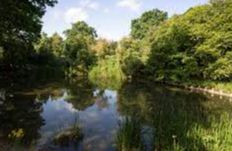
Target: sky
point(110, 18)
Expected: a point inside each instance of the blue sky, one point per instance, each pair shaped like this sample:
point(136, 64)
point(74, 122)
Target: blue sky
point(111, 18)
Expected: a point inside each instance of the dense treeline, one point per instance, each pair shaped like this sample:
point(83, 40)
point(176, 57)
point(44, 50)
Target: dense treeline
point(193, 46)
point(196, 45)
point(20, 26)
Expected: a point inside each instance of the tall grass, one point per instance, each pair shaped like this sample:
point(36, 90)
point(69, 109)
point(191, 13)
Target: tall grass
point(129, 135)
point(216, 137)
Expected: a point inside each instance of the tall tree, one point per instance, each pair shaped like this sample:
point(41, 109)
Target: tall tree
point(20, 25)
point(78, 44)
point(141, 26)
point(197, 44)
point(57, 45)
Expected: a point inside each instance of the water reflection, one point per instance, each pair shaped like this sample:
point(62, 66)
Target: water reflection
point(175, 115)
point(139, 115)
point(20, 119)
point(98, 122)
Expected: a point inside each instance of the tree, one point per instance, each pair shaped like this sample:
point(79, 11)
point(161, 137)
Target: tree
point(102, 48)
point(195, 45)
point(44, 53)
point(170, 51)
point(81, 30)
point(141, 26)
point(20, 26)
point(78, 44)
point(57, 45)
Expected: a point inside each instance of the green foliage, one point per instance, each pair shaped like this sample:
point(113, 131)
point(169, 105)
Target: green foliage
point(132, 55)
point(81, 30)
point(218, 137)
point(1, 53)
point(103, 48)
point(20, 25)
point(57, 45)
point(221, 69)
point(133, 52)
point(48, 51)
point(179, 120)
point(78, 48)
point(129, 135)
point(107, 73)
point(141, 26)
point(132, 65)
point(171, 53)
point(74, 54)
point(43, 46)
point(195, 45)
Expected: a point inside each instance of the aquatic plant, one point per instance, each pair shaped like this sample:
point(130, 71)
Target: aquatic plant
point(218, 136)
point(70, 135)
point(129, 135)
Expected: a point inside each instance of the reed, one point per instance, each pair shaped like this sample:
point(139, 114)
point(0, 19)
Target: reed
point(129, 135)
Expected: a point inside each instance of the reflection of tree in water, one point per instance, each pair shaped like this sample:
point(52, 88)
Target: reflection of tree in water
point(20, 118)
point(80, 94)
point(172, 113)
point(101, 99)
point(21, 108)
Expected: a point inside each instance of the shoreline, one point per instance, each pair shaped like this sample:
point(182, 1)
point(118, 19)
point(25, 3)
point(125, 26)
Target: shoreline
point(201, 89)
point(198, 89)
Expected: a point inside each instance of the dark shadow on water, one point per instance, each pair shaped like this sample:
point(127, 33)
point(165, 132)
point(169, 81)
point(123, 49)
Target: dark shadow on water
point(20, 120)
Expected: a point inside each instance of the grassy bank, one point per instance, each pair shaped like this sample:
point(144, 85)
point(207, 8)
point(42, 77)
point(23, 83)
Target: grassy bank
point(217, 137)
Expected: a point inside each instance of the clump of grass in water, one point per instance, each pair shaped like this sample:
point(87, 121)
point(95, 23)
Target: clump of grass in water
point(70, 135)
point(129, 135)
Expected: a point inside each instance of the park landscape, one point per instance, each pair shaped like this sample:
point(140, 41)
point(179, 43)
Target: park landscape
point(164, 86)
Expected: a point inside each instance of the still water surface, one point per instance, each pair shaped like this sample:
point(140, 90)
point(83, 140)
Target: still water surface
point(168, 116)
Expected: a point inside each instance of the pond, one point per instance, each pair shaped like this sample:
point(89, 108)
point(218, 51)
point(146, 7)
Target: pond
point(138, 116)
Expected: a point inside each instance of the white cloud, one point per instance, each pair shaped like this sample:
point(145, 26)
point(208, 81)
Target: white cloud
point(89, 4)
point(56, 14)
point(131, 4)
point(79, 13)
point(94, 6)
point(75, 14)
point(106, 10)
